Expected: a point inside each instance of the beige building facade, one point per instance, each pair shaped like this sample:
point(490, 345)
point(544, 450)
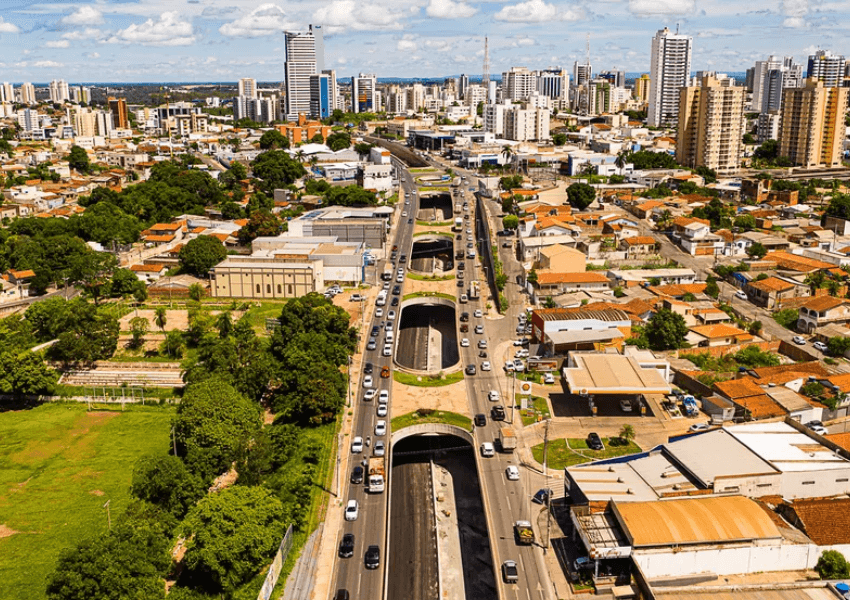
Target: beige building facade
point(811, 131)
point(266, 278)
point(711, 126)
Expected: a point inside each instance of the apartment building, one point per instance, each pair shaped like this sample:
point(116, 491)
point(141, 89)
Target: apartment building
point(28, 94)
point(811, 130)
point(669, 72)
point(518, 83)
point(59, 91)
point(827, 67)
point(769, 77)
point(641, 89)
point(302, 58)
point(524, 124)
point(120, 114)
point(363, 93)
point(711, 126)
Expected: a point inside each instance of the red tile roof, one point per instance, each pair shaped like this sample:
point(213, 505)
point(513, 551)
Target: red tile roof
point(825, 520)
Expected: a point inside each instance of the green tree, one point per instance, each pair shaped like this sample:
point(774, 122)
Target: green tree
point(173, 344)
point(214, 425)
point(25, 373)
point(627, 433)
point(580, 195)
point(93, 272)
point(838, 345)
point(646, 159)
point(78, 159)
point(510, 222)
point(839, 207)
point(711, 287)
point(165, 482)
point(201, 254)
point(832, 565)
point(138, 329)
point(276, 170)
point(666, 330)
point(273, 140)
point(160, 318)
point(745, 222)
point(756, 250)
point(532, 276)
point(338, 140)
point(196, 292)
point(510, 182)
point(508, 204)
point(559, 139)
point(224, 324)
point(231, 535)
point(125, 284)
point(105, 223)
point(363, 148)
point(260, 224)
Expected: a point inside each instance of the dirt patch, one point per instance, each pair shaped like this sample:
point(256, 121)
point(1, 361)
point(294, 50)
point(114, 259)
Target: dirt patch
point(268, 417)
point(75, 442)
point(96, 493)
point(6, 531)
point(407, 398)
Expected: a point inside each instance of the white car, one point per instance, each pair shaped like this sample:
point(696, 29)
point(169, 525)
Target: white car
point(512, 473)
point(367, 381)
point(399, 279)
point(523, 353)
point(548, 378)
point(741, 295)
point(482, 343)
point(404, 214)
point(487, 449)
point(388, 350)
point(625, 406)
point(478, 314)
point(464, 343)
point(799, 340)
point(485, 366)
point(391, 315)
point(697, 427)
point(379, 312)
point(383, 397)
point(509, 366)
point(381, 428)
point(518, 366)
point(479, 329)
point(820, 346)
point(519, 342)
point(351, 510)
point(494, 396)
point(357, 445)
point(382, 410)
point(370, 395)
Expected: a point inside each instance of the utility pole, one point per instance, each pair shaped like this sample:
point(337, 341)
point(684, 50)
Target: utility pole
point(546, 483)
point(108, 515)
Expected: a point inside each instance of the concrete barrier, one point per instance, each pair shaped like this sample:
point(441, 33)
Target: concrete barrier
point(438, 428)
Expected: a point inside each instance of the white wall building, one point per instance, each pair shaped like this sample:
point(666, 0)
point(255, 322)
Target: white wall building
point(670, 71)
point(301, 63)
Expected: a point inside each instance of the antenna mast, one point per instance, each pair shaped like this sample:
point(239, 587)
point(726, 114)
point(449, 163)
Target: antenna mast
point(485, 78)
point(587, 50)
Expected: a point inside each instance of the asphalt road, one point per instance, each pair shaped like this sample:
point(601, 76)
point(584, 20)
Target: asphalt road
point(370, 526)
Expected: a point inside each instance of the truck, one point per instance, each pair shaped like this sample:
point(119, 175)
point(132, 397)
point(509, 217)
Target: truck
point(382, 298)
point(387, 275)
point(524, 533)
point(474, 290)
point(458, 223)
point(376, 475)
point(507, 438)
point(690, 405)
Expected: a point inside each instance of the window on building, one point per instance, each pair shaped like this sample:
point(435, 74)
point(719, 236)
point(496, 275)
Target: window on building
point(258, 288)
point(278, 288)
point(268, 288)
point(289, 289)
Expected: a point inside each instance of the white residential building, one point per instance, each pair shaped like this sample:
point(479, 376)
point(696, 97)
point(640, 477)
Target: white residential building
point(301, 63)
point(59, 91)
point(524, 124)
point(494, 119)
point(769, 78)
point(7, 93)
point(827, 67)
point(248, 87)
point(415, 97)
point(518, 83)
point(670, 71)
point(28, 94)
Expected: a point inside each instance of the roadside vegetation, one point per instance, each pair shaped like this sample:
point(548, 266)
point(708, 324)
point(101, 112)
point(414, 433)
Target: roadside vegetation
point(439, 380)
point(429, 415)
point(574, 451)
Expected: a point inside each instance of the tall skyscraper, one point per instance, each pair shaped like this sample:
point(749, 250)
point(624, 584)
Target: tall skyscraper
point(301, 63)
point(811, 130)
point(617, 78)
point(641, 91)
point(462, 84)
point(518, 83)
point(769, 78)
point(582, 73)
point(363, 88)
point(120, 114)
point(322, 94)
point(59, 91)
point(553, 82)
point(7, 92)
point(827, 67)
point(711, 125)
point(28, 94)
point(670, 68)
point(248, 87)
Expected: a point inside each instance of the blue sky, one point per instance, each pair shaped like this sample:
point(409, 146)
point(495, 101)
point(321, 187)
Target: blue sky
point(214, 40)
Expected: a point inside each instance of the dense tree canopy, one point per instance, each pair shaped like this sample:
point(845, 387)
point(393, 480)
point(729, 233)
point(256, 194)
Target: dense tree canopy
point(666, 330)
point(274, 140)
point(85, 332)
point(580, 195)
point(276, 170)
point(260, 224)
point(166, 482)
point(339, 140)
point(645, 159)
point(839, 207)
point(201, 254)
point(78, 159)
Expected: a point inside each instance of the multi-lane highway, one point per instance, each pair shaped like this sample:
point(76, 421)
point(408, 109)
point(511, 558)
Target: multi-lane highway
point(370, 527)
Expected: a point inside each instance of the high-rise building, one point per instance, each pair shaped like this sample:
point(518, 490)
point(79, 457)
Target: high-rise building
point(494, 119)
point(827, 67)
point(711, 125)
point(416, 97)
point(616, 78)
point(7, 92)
point(518, 83)
point(769, 78)
point(59, 91)
point(396, 100)
point(302, 61)
point(811, 130)
point(524, 124)
point(462, 84)
point(582, 73)
point(322, 94)
point(80, 94)
point(641, 90)
point(120, 114)
point(248, 87)
point(475, 95)
point(670, 69)
point(363, 88)
point(553, 83)
point(28, 94)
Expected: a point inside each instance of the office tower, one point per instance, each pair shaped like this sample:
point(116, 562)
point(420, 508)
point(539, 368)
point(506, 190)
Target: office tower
point(416, 97)
point(301, 62)
point(827, 67)
point(616, 78)
point(553, 83)
point(120, 114)
point(59, 92)
point(582, 73)
point(494, 119)
point(598, 93)
point(397, 100)
point(248, 87)
point(322, 94)
point(641, 91)
point(363, 88)
point(7, 92)
point(492, 96)
point(518, 83)
point(28, 94)
point(670, 68)
point(769, 78)
point(811, 130)
point(711, 125)
point(462, 85)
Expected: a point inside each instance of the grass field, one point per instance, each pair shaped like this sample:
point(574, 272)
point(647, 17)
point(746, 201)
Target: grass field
point(574, 451)
point(445, 416)
point(59, 464)
point(427, 380)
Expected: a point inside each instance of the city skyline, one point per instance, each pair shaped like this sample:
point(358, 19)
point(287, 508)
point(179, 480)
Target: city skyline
point(206, 40)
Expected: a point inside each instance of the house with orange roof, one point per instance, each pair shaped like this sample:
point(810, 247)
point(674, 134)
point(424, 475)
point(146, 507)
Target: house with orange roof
point(149, 273)
point(749, 398)
point(822, 310)
point(773, 291)
point(794, 262)
point(695, 237)
point(717, 335)
point(641, 245)
point(644, 210)
point(551, 283)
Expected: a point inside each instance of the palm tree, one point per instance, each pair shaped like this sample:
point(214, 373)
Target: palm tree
point(300, 156)
point(832, 287)
point(620, 161)
point(815, 281)
point(507, 152)
point(665, 219)
point(586, 169)
point(160, 319)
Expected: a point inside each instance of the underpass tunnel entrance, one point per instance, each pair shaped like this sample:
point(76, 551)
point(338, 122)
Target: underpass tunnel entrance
point(412, 561)
point(427, 339)
point(435, 207)
point(432, 255)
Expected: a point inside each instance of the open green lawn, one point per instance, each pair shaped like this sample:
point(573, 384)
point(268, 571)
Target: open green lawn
point(257, 315)
point(437, 416)
point(427, 380)
point(59, 464)
point(537, 409)
point(428, 295)
point(574, 451)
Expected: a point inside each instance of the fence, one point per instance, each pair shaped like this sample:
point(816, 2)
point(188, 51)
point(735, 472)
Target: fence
point(277, 565)
point(486, 250)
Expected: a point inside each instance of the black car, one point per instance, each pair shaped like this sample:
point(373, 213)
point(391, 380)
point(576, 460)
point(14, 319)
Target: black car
point(470, 369)
point(367, 368)
point(464, 317)
point(357, 475)
point(497, 413)
point(396, 290)
point(394, 302)
point(542, 496)
point(346, 546)
point(480, 420)
point(410, 221)
point(373, 557)
point(374, 331)
point(403, 258)
point(594, 442)
point(393, 256)
point(460, 283)
point(341, 595)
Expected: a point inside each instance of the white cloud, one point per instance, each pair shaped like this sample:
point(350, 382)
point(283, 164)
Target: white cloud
point(47, 64)
point(795, 12)
point(406, 46)
point(662, 7)
point(266, 19)
point(84, 15)
point(439, 45)
point(58, 44)
point(448, 9)
point(342, 15)
point(537, 11)
point(168, 30)
point(8, 27)
point(524, 41)
point(92, 55)
point(89, 33)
